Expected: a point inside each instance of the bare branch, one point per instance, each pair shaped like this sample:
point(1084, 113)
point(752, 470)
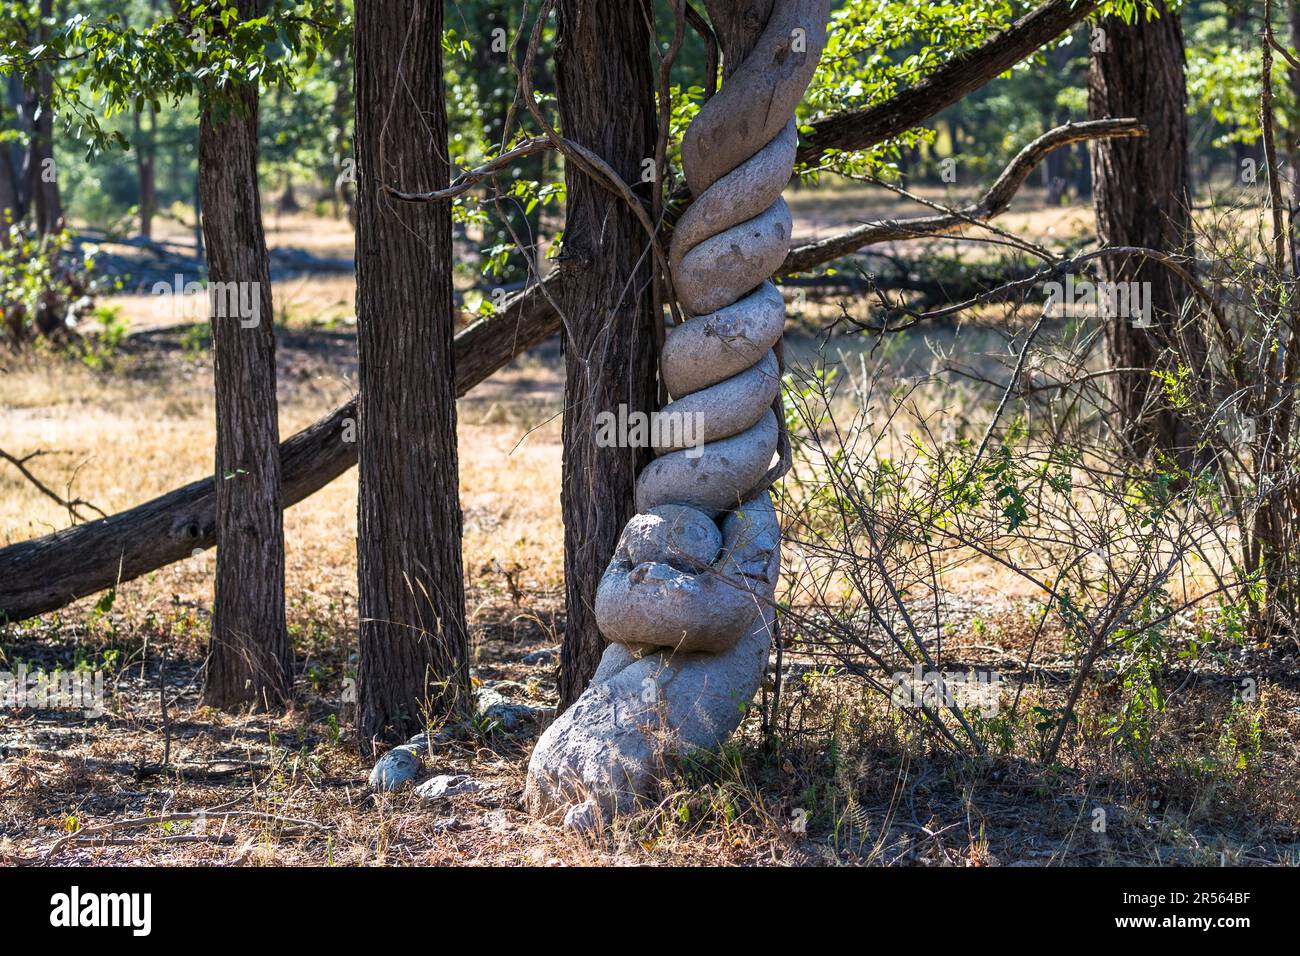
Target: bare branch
point(994, 202)
point(471, 178)
point(71, 504)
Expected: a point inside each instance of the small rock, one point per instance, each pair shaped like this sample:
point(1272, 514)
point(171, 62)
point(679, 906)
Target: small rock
point(447, 825)
point(399, 766)
point(447, 785)
point(582, 818)
point(509, 714)
point(544, 656)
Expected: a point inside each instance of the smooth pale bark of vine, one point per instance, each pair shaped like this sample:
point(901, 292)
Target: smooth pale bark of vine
point(686, 604)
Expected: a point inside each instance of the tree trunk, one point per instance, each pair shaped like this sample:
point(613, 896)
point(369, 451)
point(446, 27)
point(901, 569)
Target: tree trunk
point(288, 203)
point(198, 217)
point(250, 660)
point(1142, 198)
point(19, 156)
point(1056, 167)
point(413, 652)
point(1293, 130)
point(42, 169)
point(606, 98)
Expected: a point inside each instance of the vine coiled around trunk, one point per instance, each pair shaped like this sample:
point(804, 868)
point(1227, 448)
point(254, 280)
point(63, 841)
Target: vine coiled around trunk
point(686, 603)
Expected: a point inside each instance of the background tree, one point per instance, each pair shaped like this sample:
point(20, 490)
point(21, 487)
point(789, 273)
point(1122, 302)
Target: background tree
point(250, 659)
point(413, 655)
point(1142, 197)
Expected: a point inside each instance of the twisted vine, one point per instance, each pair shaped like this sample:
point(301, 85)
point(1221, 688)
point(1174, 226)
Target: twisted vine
point(686, 600)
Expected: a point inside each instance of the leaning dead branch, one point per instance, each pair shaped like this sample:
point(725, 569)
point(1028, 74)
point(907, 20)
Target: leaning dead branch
point(71, 504)
point(993, 203)
point(473, 177)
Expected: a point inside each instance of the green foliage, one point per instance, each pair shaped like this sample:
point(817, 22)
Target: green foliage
point(1143, 643)
point(47, 284)
point(104, 64)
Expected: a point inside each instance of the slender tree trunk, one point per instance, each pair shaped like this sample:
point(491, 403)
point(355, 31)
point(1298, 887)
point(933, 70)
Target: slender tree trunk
point(198, 210)
point(250, 660)
point(42, 169)
point(413, 655)
point(606, 103)
point(1142, 198)
point(1293, 130)
point(289, 198)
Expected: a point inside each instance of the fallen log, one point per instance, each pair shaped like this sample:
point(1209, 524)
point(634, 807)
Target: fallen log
point(47, 573)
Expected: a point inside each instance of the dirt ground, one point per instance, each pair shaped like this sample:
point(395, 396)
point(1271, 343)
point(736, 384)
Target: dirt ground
point(831, 776)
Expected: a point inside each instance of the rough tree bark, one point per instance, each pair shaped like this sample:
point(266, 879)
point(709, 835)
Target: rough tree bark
point(1142, 198)
point(250, 659)
point(606, 95)
point(413, 656)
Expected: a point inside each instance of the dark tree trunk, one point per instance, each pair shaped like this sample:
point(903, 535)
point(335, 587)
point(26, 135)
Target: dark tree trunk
point(1082, 171)
point(43, 173)
point(413, 654)
point(19, 156)
point(198, 216)
point(1142, 198)
point(1293, 129)
point(606, 97)
point(250, 660)
point(289, 198)
point(340, 110)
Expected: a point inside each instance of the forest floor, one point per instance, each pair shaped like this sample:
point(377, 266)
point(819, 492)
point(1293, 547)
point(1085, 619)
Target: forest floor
point(831, 776)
